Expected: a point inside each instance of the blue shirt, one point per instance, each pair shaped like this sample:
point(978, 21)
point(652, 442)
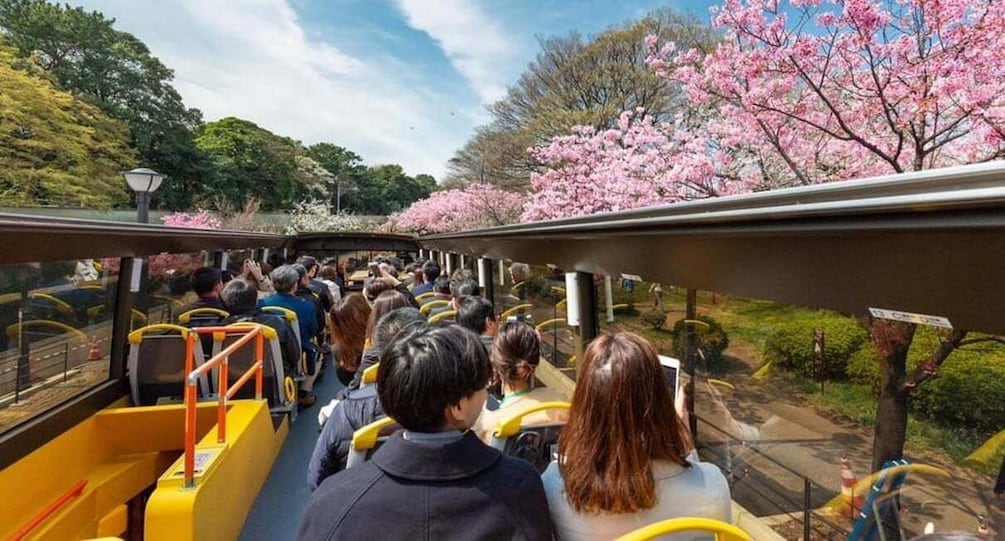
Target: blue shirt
point(305, 316)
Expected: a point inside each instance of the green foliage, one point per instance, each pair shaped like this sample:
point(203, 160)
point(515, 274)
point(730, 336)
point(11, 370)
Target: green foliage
point(384, 189)
point(54, 149)
point(715, 342)
point(969, 391)
point(791, 345)
point(251, 162)
point(86, 56)
point(654, 318)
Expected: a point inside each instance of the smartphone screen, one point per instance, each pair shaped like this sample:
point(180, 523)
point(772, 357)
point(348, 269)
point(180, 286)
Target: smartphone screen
point(671, 370)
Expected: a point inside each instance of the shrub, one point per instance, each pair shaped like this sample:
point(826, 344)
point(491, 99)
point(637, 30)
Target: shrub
point(655, 318)
point(791, 345)
point(715, 340)
point(968, 392)
point(863, 366)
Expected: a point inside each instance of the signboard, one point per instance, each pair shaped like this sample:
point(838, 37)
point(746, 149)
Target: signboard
point(632, 277)
point(908, 317)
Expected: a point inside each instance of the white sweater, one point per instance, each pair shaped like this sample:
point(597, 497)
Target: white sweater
point(698, 491)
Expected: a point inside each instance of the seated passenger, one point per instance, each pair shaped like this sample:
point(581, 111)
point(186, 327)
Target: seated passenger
point(515, 354)
point(286, 280)
point(355, 409)
point(430, 272)
point(348, 320)
point(207, 283)
point(476, 314)
point(432, 480)
point(458, 290)
point(386, 302)
point(624, 454)
point(241, 300)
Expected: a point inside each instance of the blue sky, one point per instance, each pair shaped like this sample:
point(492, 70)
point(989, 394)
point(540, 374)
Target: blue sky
point(401, 81)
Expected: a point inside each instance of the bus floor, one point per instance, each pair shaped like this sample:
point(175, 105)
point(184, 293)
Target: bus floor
point(280, 505)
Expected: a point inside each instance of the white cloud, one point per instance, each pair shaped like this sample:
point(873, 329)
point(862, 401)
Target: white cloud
point(252, 59)
point(476, 44)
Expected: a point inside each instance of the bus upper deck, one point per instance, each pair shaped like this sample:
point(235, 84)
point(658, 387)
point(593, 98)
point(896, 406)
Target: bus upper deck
point(926, 244)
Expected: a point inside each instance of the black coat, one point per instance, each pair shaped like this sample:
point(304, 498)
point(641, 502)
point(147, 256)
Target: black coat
point(331, 451)
point(409, 490)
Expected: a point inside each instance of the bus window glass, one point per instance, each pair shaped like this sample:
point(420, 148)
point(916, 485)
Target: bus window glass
point(168, 288)
point(56, 323)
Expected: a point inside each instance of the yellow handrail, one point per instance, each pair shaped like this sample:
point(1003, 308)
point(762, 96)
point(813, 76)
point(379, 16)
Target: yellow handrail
point(222, 360)
point(428, 307)
point(370, 374)
point(515, 309)
point(722, 530)
point(186, 316)
point(509, 426)
point(441, 316)
point(366, 437)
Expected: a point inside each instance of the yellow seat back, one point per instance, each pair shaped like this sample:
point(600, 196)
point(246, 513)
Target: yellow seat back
point(370, 375)
point(721, 530)
point(509, 426)
point(186, 317)
point(365, 439)
point(513, 311)
point(424, 296)
point(442, 316)
point(428, 307)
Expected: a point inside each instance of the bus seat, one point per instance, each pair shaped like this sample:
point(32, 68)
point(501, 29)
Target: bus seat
point(442, 317)
point(203, 317)
point(537, 443)
point(721, 531)
point(515, 311)
point(273, 372)
point(429, 305)
point(40, 329)
point(366, 440)
point(422, 298)
point(370, 375)
point(157, 364)
point(552, 325)
point(289, 315)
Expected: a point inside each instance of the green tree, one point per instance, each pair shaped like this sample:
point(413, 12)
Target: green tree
point(85, 55)
point(573, 81)
point(345, 166)
point(251, 162)
point(54, 149)
point(384, 189)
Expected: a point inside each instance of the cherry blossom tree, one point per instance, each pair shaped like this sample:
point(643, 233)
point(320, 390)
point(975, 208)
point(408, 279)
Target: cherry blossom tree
point(823, 91)
point(472, 207)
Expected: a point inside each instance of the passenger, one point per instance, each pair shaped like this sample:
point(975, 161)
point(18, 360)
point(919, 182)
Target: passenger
point(286, 280)
point(430, 272)
point(256, 274)
point(207, 282)
point(527, 286)
point(373, 287)
point(241, 298)
point(515, 356)
point(476, 314)
point(317, 286)
point(329, 277)
point(305, 292)
point(624, 459)
point(355, 409)
point(437, 480)
point(458, 291)
point(349, 320)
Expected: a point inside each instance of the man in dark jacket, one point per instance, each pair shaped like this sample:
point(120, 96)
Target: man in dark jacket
point(241, 298)
point(438, 482)
point(477, 314)
point(207, 283)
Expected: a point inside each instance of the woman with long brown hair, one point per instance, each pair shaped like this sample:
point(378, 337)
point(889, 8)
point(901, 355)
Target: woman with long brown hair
point(348, 322)
point(624, 453)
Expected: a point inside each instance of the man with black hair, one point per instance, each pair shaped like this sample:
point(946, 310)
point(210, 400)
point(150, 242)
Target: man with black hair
point(477, 314)
point(316, 286)
point(437, 476)
point(430, 272)
point(358, 407)
point(207, 283)
point(459, 289)
point(241, 299)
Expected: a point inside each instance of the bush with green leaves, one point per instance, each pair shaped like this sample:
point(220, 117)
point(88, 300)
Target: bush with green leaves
point(715, 342)
point(791, 345)
point(654, 318)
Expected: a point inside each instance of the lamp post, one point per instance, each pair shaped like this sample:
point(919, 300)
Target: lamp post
point(143, 181)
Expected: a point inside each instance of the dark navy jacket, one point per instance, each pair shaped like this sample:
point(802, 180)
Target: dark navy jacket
point(356, 410)
point(412, 490)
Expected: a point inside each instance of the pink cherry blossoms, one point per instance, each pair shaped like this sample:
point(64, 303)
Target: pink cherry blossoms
point(476, 206)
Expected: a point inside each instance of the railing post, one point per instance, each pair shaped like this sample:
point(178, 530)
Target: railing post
point(189, 433)
point(260, 357)
point(485, 279)
point(806, 509)
point(221, 409)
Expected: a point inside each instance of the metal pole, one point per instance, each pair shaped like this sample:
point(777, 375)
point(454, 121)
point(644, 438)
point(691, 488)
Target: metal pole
point(587, 309)
point(806, 509)
point(691, 312)
point(143, 207)
point(609, 299)
point(485, 279)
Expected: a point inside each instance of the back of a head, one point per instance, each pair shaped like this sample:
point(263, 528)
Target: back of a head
point(442, 285)
point(385, 303)
point(285, 278)
point(349, 318)
point(301, 270)
point(394, 322)
point(239, 296)
point(519, 271)
point(424, 372)
point(328, 272)
point(473, 313)
point(622, 417)
point(373, 287)
point(204, 279)
point(516, 352)
point(464, 288)
point(461, 274)
point(309, 262)
point(430, 270)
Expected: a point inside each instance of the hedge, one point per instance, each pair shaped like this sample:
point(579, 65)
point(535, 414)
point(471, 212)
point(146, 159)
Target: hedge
point(715, 341)
point(791, 346)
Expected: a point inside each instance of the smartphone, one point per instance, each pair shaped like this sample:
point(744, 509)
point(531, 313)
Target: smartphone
point(671, 370)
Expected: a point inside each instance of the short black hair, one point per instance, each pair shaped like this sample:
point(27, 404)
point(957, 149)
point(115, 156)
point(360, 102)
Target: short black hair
point(309, 262)
point(465, 287)
point(442, 285)
point(424, 372)
point(204, 279)
point(239, 297)
point(394, 322)
point(431, 270)
point(473, 312)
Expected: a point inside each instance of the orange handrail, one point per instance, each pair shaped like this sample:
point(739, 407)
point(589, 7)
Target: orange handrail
point(222, 360)
point(76, 490)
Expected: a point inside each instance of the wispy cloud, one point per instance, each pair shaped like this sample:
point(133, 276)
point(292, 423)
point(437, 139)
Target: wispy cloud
point(476, 44)
point(253, 59)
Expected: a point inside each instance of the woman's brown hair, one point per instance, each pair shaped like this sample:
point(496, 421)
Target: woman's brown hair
point(348, 327)
point(516, 352)
point(622, 418)
point(385, 303)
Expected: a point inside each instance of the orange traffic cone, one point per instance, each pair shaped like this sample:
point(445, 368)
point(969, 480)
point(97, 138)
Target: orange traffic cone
point(984, 532)
point(853, 502)
point(94, 354)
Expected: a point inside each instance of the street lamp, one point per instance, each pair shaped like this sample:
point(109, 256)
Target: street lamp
point(143, 181)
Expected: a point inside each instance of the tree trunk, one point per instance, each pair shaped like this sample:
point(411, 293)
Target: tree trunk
point(893, 340)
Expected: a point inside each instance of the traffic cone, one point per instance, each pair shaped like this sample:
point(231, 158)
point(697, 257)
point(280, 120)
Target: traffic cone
point(984, 532)
point(853, 502)
point(94, 354)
